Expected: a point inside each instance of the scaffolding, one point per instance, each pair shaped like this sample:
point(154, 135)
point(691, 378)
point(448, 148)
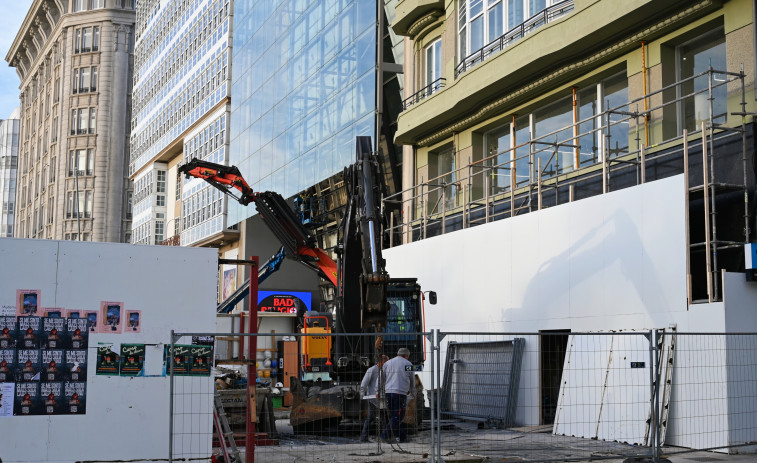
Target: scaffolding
point(719, 181)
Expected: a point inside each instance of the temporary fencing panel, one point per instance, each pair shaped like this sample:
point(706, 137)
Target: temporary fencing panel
point(547, 396)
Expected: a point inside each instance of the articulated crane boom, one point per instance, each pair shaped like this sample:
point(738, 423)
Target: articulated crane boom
point(298, 241)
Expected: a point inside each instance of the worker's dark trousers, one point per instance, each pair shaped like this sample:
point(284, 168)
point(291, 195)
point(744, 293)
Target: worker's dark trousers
point(372, 413)
point(396, 405)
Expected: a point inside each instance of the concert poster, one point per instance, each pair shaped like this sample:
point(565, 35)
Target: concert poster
point(76, 364)
point(51, 400)
point(6, 399)
point(77, 335)
point(75, 398)
point(8, 332)
point(26, 400)
point(7, 365)
point(29, 332)
point(53, 332)
point(107, 362)
point(133, 321)
point(132, 359)
point(181, 355)
point(111, 317)
point(53, 366)
point(92, 321)
point(200, 360)
point(28, 365)
point(27, 302)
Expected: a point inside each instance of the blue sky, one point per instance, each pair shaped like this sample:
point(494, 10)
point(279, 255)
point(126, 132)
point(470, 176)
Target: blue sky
point(12, 14)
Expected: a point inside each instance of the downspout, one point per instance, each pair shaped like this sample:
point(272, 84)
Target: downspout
point(644, 85)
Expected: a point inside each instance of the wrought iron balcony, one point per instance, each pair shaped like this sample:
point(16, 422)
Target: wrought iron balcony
point(518, 32)
point(425, 92)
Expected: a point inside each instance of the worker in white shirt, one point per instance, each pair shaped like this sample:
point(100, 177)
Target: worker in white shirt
point(400, 384)
point(369, 388)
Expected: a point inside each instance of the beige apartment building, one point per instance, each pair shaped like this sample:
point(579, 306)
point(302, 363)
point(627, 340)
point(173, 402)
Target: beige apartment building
point(74, 59)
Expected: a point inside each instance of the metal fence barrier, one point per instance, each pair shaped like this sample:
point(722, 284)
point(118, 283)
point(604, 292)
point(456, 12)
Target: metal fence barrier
point(546, 396)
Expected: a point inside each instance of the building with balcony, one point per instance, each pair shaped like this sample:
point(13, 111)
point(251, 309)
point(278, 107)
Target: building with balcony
point(9, 130)
point(182, 85)
point(582, 166)
point(74, 60)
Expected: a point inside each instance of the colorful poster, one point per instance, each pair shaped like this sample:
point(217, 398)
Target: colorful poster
point(53, 332)
point(8, 332)
point(291, 302)
point(77, 335)
point(229, 281)
point(181, 354)
point(27, 302)
point(133, 321)
point(76, 364)
point(111, 314)
point(200, 360)
point(7, 365)
point(92, 321)
point(28, 364)
point(29, 331)
point(26, 399)
point(75, 398)
point(51, 398)
point(6, 399)
point(53, 366)
point(53, 312)
point(76, 313)
point(107, 362)
point(132, 359)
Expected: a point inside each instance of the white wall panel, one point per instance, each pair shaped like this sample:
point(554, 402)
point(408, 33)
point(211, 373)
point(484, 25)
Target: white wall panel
point(580, 264)
point(174, 287)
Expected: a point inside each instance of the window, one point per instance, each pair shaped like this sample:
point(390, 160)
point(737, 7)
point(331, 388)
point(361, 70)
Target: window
point(93, 82)
point(91, 120)
point(98, 3)
point(69, 205)
point(84, 79)
point(80, 5)
point(158, 231)
point(88, 204)
point(90, 161)
point(75, 87)
point(483, 21)
point(160, 200)
point(161, 187)
point(433, 63)
point(95, 38)
point(695, 57)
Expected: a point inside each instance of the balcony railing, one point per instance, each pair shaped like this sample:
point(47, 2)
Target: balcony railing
point(425, 92)
point(518, 32)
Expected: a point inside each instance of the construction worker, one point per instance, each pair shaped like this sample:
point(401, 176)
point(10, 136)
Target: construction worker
point(369, 389)
point(400, 384)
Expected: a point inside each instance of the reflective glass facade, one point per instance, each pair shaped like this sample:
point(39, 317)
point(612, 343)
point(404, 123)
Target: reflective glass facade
point(303, 86)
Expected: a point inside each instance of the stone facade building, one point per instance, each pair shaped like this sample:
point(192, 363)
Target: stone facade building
point(74, 59)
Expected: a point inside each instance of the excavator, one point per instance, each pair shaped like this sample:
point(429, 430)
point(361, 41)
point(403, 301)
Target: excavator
point(373, 312)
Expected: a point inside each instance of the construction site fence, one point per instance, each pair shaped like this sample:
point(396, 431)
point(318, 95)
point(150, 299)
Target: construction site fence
point(479, 396)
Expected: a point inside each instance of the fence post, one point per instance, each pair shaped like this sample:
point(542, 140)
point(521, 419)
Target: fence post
point(432, 400)
point(437, 373)
point(170, 400)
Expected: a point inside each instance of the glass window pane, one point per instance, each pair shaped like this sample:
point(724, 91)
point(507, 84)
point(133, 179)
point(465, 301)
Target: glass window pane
point(495, 22)
point(477, 34)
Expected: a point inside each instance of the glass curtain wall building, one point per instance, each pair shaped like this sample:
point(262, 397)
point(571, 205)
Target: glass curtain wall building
point(181, 111)
point(304, 86)
point(9, 130)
